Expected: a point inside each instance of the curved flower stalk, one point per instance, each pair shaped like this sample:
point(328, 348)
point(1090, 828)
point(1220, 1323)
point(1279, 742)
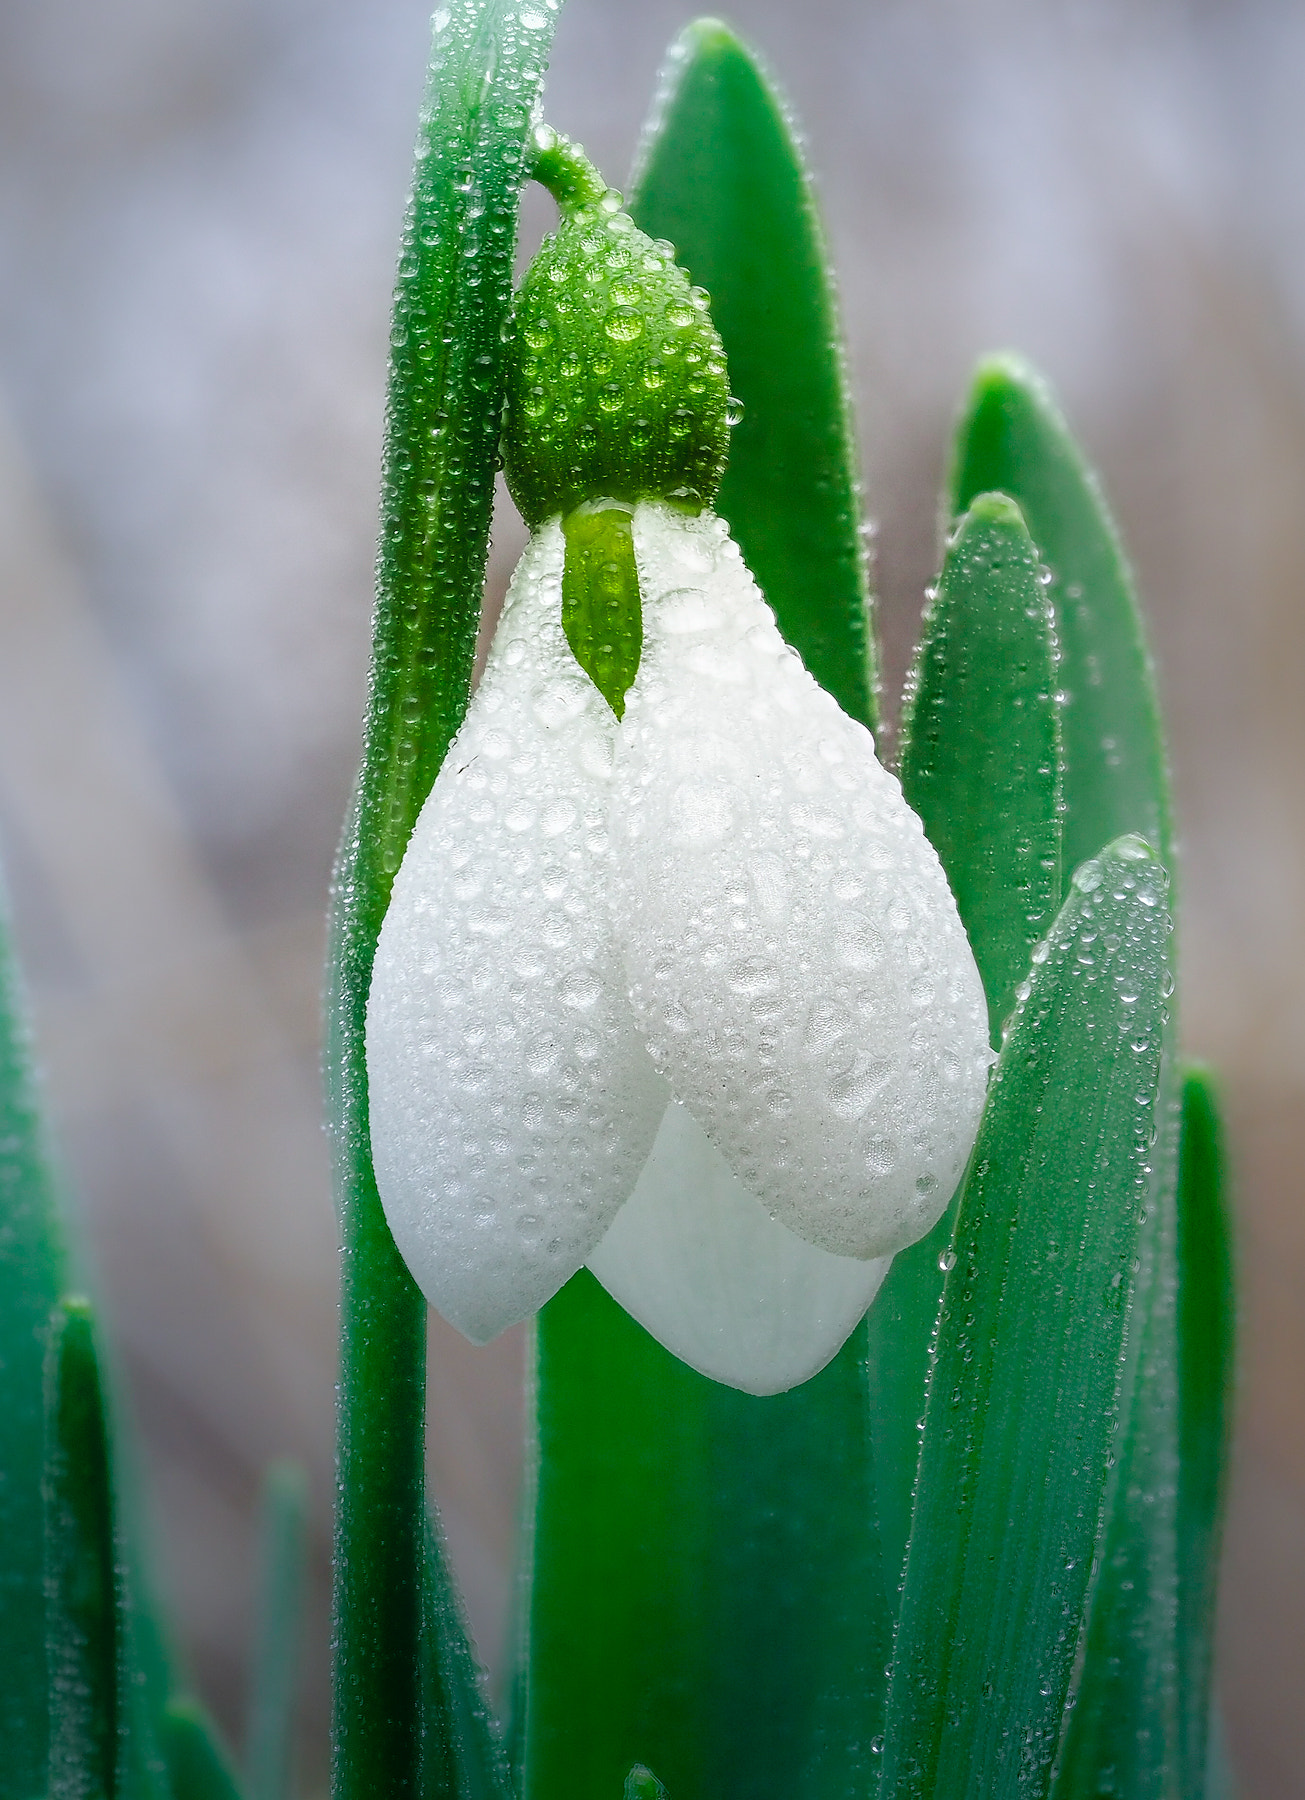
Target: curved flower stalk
point(671, 982)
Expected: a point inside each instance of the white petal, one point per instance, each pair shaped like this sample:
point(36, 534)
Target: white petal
point(512, 1103)
point(693, 1257)
point(795, 956)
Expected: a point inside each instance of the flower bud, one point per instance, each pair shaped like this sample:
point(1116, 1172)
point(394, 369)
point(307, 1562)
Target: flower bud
point(616, 384)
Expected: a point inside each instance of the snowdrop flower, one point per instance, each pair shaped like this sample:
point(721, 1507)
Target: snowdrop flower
point(671, 982)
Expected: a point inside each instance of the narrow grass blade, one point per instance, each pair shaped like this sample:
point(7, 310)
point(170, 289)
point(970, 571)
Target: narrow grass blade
point(706, 1594)
point(451, 301)
point(1012, 438)
point(721, 174)
point(198, 1765)
point(1024, 1389)
point(280, 1622)
point(980, 764)
point(1206, 1332)
point(707, 1597)
point(32, 1276)
point(83, 1649)
point(461, 1751)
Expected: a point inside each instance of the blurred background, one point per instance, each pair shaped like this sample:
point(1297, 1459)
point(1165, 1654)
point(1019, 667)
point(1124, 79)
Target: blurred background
point(200, 203)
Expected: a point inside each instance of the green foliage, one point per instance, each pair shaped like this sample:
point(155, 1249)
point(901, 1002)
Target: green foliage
point(1012, 439)
point(981, 764)
point(198, 1765)
point(1023, 1389)
point(707, 1589)
point(82, 1614)
point(706, 1594)
point(32, 1276)
point(276, 1646)
point(1206, 1331)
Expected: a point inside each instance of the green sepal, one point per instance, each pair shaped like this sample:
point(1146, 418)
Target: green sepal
point(980, 764)
point(615, 372)
point(1013, 439)
point(199, 1767)
point(444, 412)
point(1024, 1389)
point(32, 1276)
point(602, 614)
point(721, 174)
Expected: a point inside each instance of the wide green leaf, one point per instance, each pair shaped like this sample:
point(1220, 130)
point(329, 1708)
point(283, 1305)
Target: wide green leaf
point(980, 764)
point(450, 305)
point(32, 1276)
point(721, 175)
point(707, 1596)
point(706, 1588)
point(1023, 1391)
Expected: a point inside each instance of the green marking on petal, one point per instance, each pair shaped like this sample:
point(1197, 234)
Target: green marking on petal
point(601, 611)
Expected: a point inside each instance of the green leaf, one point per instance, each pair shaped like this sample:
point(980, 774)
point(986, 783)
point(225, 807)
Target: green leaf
point(1206, 1332)
point(32, 1276)
point(280, 1627)
point(706, 1591)
point(1023, 1393)
point(461, 1752)
point(980, 764)
point(1115, 780)
point(1012, 438)
point(102, 1648)
point(721, 175)
point(706, 1595)
point(1123, 1733)
point(199, 1767)
point(82, 1619)
point(445, 397)
point(1142, 1718)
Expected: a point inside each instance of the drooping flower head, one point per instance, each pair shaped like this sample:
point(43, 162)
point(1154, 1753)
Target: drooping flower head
point(671, 982)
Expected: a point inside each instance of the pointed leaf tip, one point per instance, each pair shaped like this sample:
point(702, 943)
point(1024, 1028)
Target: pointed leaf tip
point(1012, 436)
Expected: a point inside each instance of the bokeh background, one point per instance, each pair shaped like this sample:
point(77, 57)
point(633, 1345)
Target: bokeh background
point(199, 207)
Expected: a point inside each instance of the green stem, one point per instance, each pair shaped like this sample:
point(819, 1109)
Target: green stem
point(564, 169)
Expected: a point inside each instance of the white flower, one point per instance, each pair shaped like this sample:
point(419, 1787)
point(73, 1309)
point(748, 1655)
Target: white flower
point(685, 997)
